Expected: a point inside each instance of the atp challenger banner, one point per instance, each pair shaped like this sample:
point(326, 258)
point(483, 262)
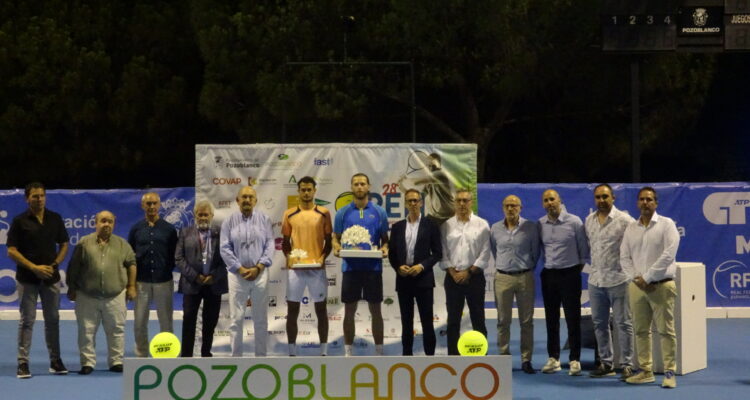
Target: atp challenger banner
point(437, 170)
point(78, 209)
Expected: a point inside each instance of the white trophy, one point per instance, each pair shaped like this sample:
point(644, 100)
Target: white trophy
point(301, 260)
point(356, 243)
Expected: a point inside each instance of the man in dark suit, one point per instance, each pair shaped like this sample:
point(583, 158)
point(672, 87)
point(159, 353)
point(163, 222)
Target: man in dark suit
point(204, 278)
point(414, 249)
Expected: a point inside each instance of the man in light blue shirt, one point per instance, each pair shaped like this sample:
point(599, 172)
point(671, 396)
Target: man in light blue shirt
point(565, 250)
point(247, 247)
point(514, 242)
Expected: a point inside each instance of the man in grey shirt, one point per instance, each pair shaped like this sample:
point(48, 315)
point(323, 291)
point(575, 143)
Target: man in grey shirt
point(101, 276)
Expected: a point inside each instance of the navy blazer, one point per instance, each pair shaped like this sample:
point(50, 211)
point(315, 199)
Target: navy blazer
point(427, 251)
point(190, 261)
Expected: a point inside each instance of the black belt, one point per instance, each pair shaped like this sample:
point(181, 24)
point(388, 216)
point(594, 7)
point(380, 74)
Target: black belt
point(513, 273)
point(662, 281)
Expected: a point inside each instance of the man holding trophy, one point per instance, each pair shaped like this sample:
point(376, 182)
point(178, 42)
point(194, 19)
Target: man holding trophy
point(360, 229)
point(307, 243)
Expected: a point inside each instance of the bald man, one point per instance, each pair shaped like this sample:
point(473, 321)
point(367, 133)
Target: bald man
point(514, 242)
point(565, 251)
point(247, 247)
point(154, 241)
point(100, 278)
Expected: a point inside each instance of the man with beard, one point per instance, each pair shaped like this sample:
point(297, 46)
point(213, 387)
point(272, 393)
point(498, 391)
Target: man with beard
point(154, 241)
point(101, 276)
point(647, 254)
point(307, 227)
point(565, 250)
point(247, 247)
point(38, 242)
point(363, 277)
point(608, 282)
point(203, 278)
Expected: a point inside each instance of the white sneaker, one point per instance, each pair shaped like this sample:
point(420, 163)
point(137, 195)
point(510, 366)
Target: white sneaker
point(552, 366)
point(669, 382)
point(575, 368)
point(324, 349)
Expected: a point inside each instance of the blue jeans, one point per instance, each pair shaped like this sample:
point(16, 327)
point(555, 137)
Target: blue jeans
point(28, 293)
point(601, 300)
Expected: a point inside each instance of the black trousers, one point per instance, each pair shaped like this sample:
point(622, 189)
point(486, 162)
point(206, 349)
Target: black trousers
point(211, 307)
point(562, 286)
point(424, 298)
point(455, 294)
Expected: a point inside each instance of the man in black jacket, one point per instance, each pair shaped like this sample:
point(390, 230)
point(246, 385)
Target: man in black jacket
point(414, 249)
point(204, 278)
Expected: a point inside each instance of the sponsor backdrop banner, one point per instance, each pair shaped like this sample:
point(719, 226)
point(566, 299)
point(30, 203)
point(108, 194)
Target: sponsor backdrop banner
point(273, 169)
point(78, 208)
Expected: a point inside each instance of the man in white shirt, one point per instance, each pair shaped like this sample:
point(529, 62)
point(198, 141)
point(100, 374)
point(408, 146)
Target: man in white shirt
point(648, 254)
point(608, 282)
point(465, 241)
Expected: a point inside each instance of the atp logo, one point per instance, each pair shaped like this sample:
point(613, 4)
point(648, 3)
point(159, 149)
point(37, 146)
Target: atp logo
point(731, 280)
point(726, 208)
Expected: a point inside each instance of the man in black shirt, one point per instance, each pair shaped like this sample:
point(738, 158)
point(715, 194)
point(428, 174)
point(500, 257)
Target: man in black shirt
point(38, 242)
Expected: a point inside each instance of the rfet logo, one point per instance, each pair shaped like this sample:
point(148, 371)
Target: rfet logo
point(727, 208)
point(731, 280)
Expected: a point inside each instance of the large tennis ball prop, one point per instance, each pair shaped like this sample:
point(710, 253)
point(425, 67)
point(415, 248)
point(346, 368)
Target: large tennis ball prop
point(165, 345)
point(472, 343)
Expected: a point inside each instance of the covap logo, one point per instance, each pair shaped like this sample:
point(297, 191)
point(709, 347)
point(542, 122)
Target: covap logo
point(727, 208)
point(731, 280)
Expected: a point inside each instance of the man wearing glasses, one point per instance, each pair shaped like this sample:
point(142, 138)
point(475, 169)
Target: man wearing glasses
point(414, 249)
point(466, 253)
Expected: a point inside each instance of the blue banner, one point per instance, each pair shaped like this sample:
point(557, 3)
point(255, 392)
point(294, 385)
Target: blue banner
point(78, 209)
point(712, 220)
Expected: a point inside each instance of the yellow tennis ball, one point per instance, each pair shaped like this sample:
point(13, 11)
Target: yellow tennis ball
point(165, 345)
point(472, 343)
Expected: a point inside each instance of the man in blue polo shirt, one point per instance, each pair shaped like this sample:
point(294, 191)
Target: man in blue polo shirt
point(363, 277)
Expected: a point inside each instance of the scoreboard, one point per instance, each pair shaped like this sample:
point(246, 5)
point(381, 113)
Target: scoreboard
point(644, 26)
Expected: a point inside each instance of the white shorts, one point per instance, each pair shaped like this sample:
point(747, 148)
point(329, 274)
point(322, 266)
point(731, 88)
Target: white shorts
point(315, 281)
